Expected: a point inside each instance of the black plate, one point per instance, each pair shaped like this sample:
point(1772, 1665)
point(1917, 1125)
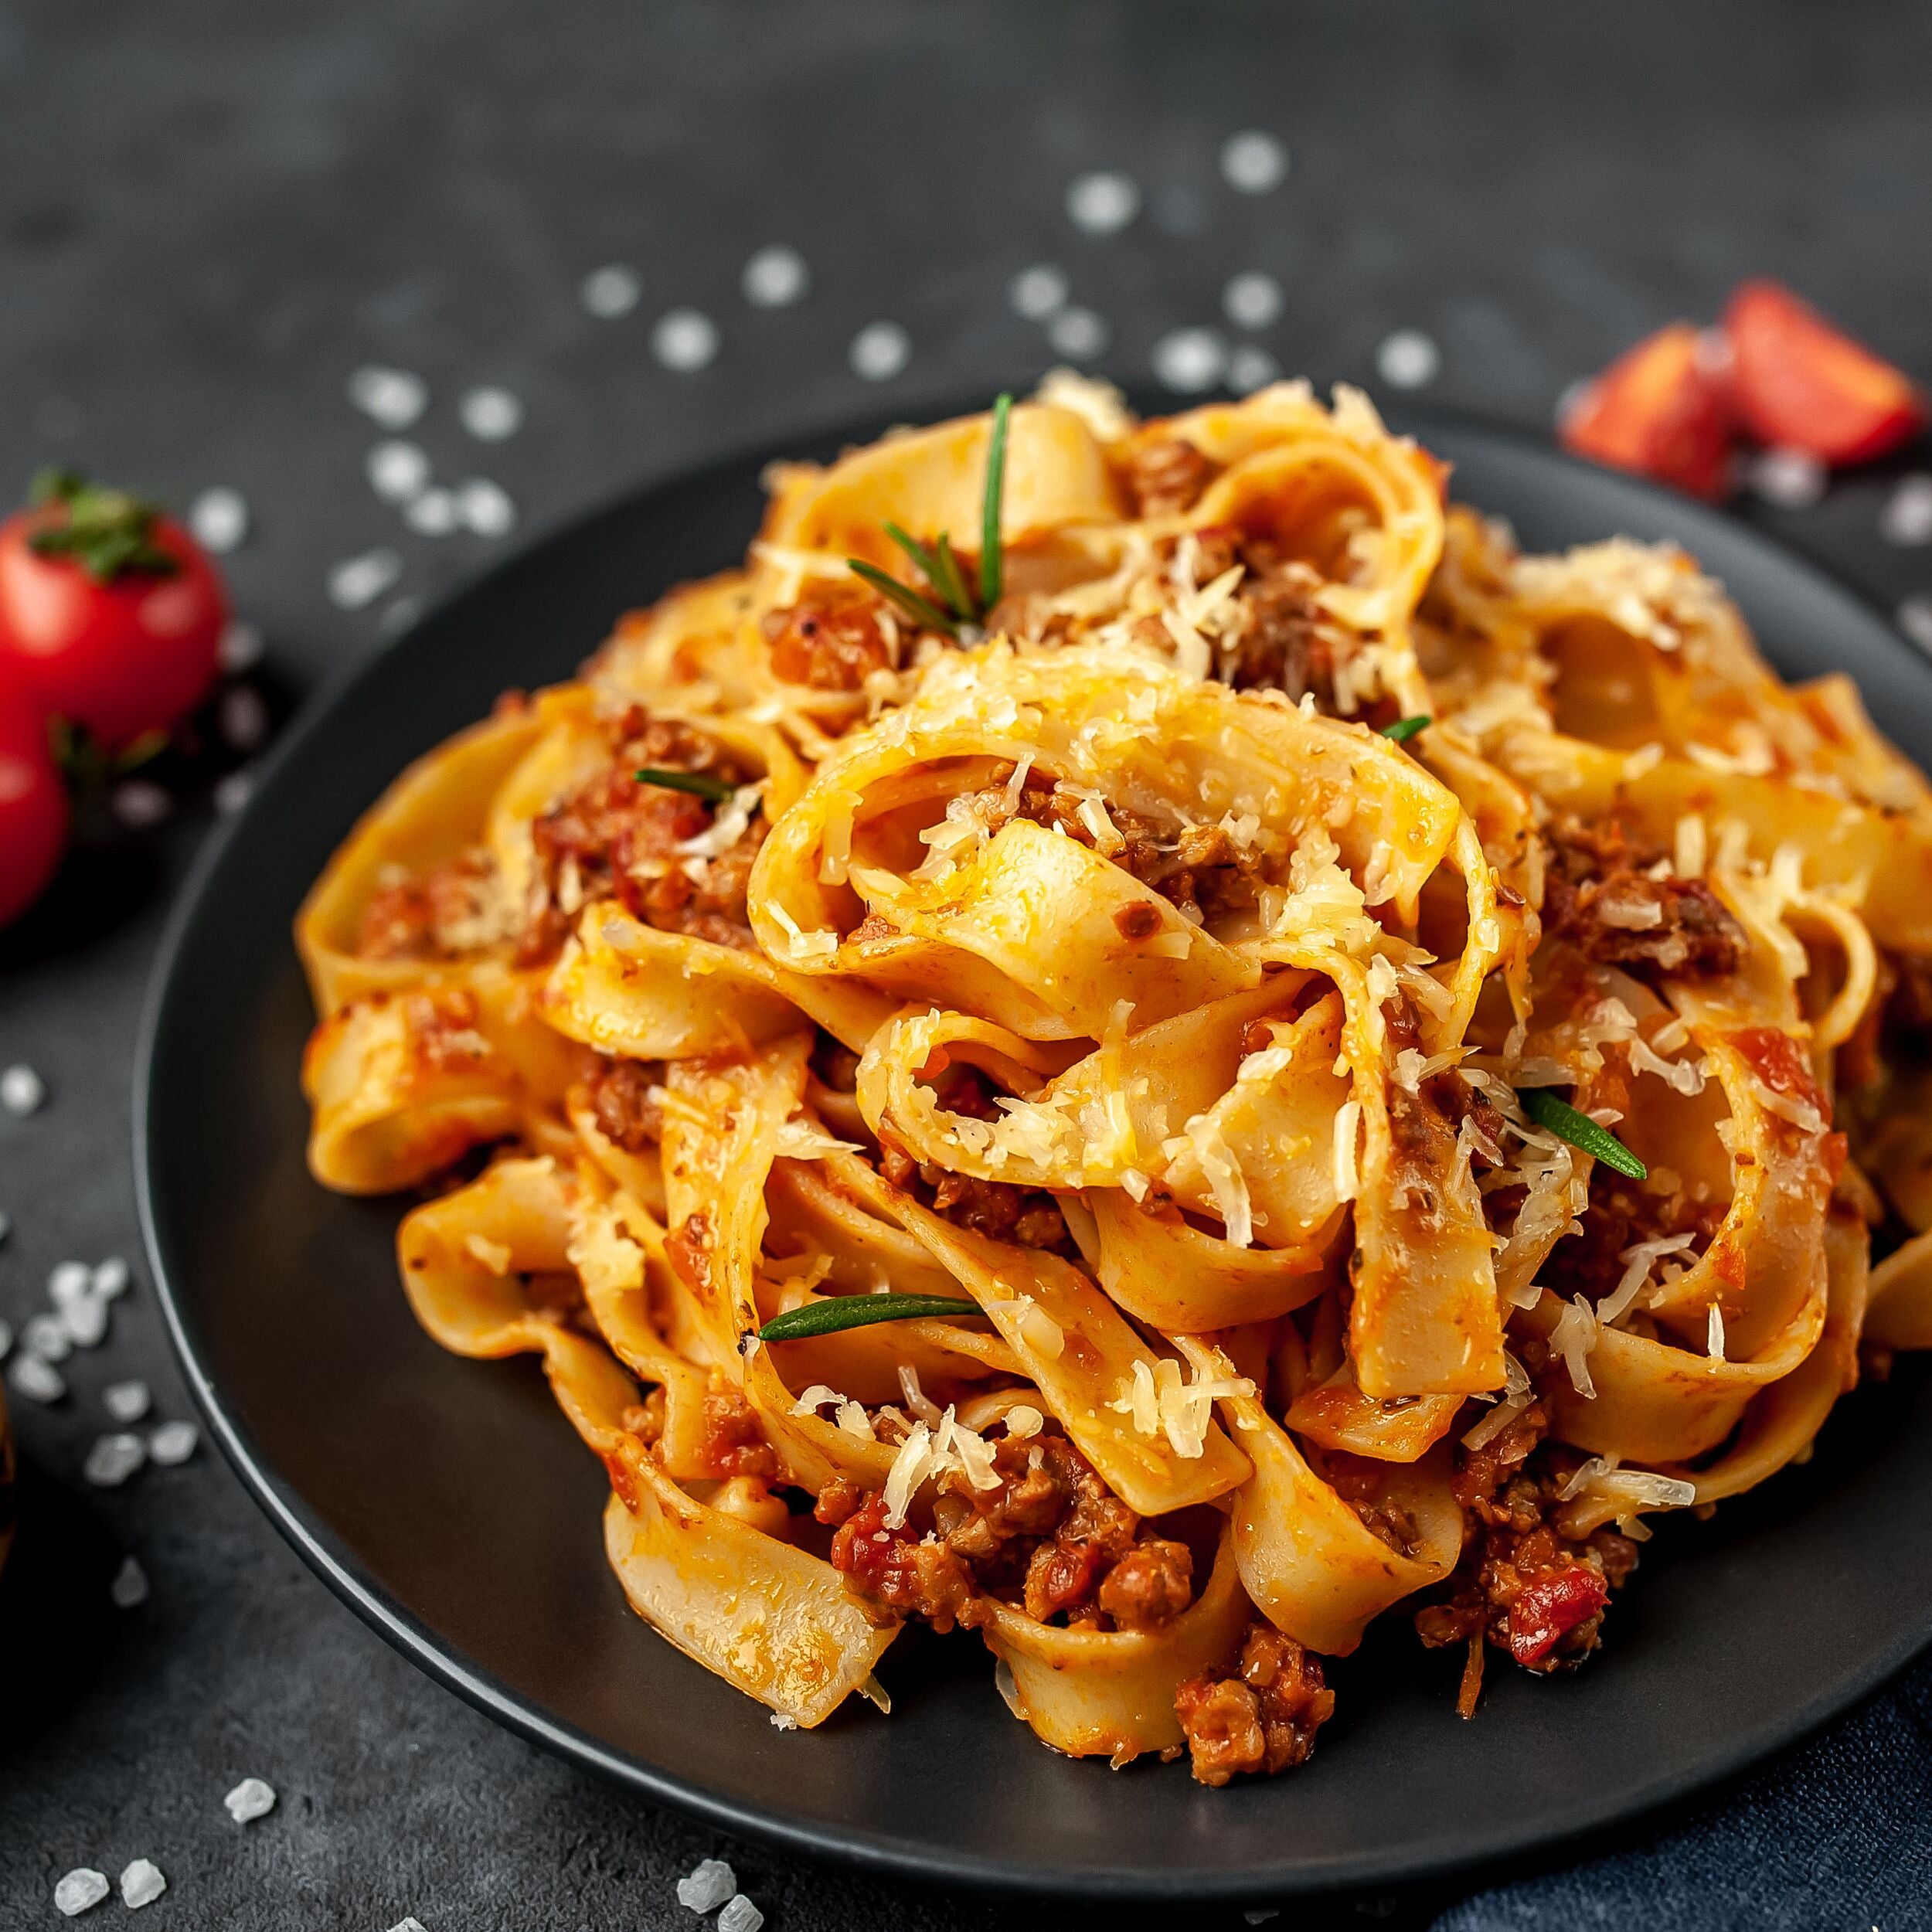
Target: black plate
point(451, 1506)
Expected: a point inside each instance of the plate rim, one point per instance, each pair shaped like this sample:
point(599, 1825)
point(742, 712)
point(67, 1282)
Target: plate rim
point(882, 1854)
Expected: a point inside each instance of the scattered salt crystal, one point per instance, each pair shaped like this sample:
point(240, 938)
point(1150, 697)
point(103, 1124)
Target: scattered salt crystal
point(1914, 618)
point(397, 470)
point(1102, 203)
point(141, 1884)
point(110, 1278)
point(68, 1281)
point(232, 791)
point(112, 1460)
point(80, 1891)
point(434, 513)
point(173, 1442)
point(775, 277)
point(399, 615)
point(490, 414)
point(392, 397)
point(219, 518)
point(684, 340)
point(253, 1797)
point(1252, 162)
point(411, 1923)
point(129, 1589)
point(1252, 300)
point(1191, 359)
point(1078, 334)
point(879, 351)
point(139, 803)
point(707, 1887)
point(1039, 292)
point(739, 1915)
point(1906, 518)
point(46, 1336)
point(126, 1401)
point(242, 718)
point(485, 507)
point(36, 1378)
point(610, 291)
point(1251, 368)
point(359, 580)
point(85, 1319)
point(6, 1340)
point(1792, 479)
point(241, 645)
point(1408, 359)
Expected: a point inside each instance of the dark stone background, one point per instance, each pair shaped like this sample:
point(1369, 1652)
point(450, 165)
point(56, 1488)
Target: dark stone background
point(211, 211)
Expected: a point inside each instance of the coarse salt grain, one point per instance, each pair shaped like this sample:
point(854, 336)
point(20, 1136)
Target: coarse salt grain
point(485, 507)
point(434, 513)
point(358, 581)
point(879, 351)
point(219, 518)
point(1103, 203)
point(141, 1884)
point(240, 648)
point(775, 277)
point(173, 1442)
point(1791, 479)
point(1407, 359)
point(80, 1891)
point(46, 1336)
point(1251, 368)
point(398, 615)
point(1038, 292)
point(610, 291)
point(1190, 360)
point(1252, 162)
point(684, 340)
point(36, 1378)
point(139, 803)
point(392, 397)
point(1906, 518)
point(707, 1885)
point(397, 470)
point(409, 1924)
point(129, 1589)
point(85, 1319)
point(112, 1460)
point(1252, 300)
point(68, 1282)
point(126, 1401)
point(232, 791)
point(111, 1278)
point(242, 718)
point(739, 1915)
point(1078, 334)
point(253, 1797)
point(21, 1090)
point(489, 413)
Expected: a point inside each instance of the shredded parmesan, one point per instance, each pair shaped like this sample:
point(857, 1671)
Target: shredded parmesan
point(1348, 1128)
point(1572, 1337)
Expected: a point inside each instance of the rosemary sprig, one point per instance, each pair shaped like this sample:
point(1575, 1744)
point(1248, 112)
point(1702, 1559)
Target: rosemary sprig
point(858, 1312)
point(1404, 728)
point(1579, 1130)
point(698, 784)
point(956, 603)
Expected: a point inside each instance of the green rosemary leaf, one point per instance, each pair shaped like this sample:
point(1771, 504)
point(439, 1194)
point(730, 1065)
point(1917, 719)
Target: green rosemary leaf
point(699, 785)
point(1579, 1130)
point(858, 1311)
point(992, 562)
point(956, 594)
point(927, 564)
point(926, 614)
point(1404, 728)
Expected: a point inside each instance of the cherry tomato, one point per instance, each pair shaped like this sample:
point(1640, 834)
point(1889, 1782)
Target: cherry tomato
point(110, 614)
point(1660, 410)
point(33, 804)
point(1800, 384)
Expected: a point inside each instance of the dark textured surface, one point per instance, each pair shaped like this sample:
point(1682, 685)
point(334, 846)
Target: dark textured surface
point(210, 213)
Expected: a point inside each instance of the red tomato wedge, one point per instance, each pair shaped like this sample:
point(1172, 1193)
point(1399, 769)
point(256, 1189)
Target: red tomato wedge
point(1551, 1603)
point(33, 804)
point(1659, 409)
point(1800, 384)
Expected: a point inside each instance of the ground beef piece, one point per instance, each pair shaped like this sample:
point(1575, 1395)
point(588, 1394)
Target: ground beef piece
point(628, 1098)
point(1260, 1718)
point(731, 1441)
point(914, 1576)
point(1151, 1585)
point(1287, 642)
point(1598, 895)
point(1166, 475)
point(1620, 1213)
point(434, 914)
point(830, 640)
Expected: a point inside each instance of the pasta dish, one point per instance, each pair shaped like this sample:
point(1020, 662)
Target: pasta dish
point(1140, 1039)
